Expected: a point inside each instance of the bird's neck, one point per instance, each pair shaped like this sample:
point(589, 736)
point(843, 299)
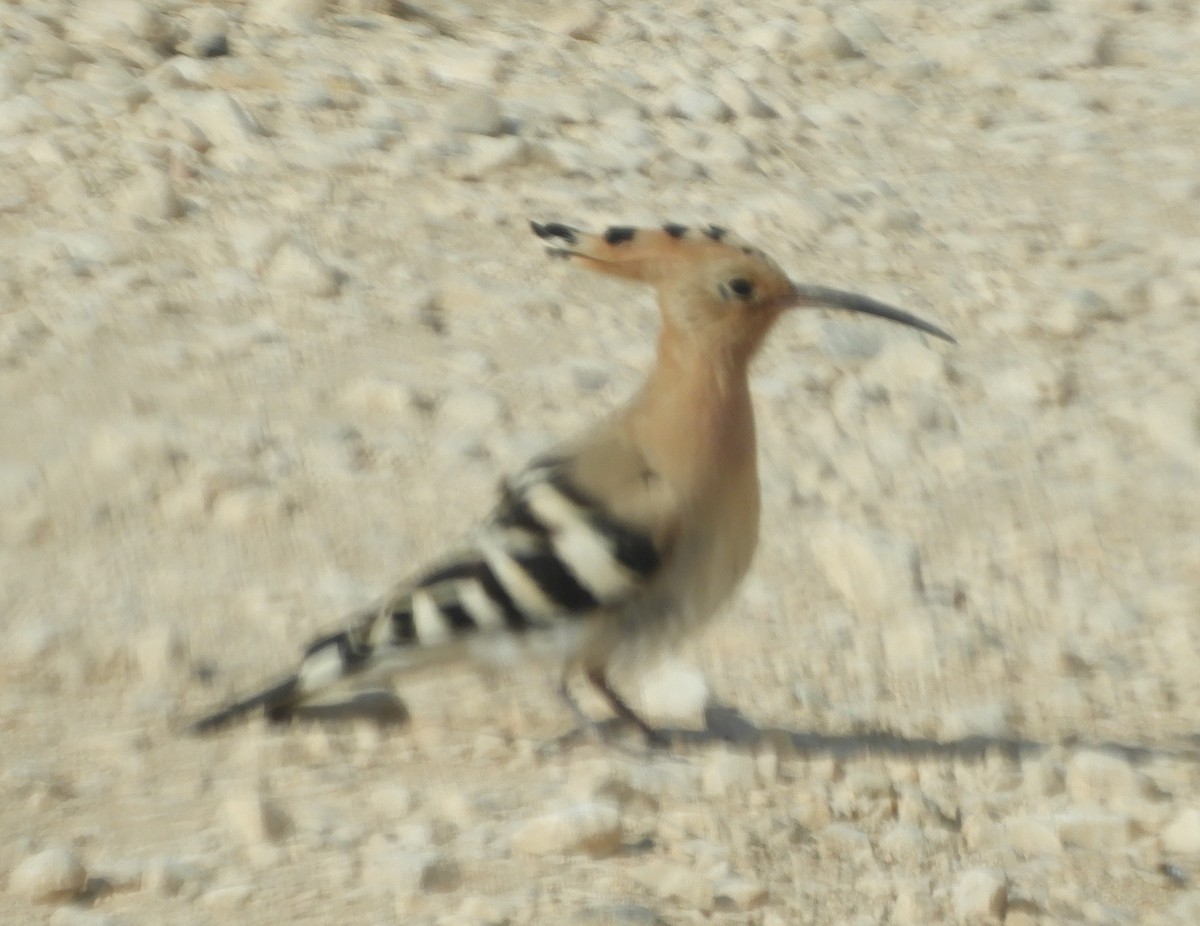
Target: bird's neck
point(695, 415)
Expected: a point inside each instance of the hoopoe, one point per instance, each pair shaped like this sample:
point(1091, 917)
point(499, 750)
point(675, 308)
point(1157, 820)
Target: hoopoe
point(625, 538)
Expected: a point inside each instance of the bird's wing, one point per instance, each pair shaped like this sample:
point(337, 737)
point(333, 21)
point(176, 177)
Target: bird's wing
point(579, 532)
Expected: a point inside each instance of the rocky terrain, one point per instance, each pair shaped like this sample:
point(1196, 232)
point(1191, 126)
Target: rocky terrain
point(272, 326)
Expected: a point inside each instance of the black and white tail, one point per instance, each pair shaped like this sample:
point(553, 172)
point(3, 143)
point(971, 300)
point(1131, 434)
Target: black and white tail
point(547, 554)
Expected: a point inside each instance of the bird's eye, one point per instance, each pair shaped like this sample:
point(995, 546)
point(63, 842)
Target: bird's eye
point(741, 287)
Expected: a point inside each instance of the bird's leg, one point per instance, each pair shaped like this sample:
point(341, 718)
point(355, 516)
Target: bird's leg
point(624, 711)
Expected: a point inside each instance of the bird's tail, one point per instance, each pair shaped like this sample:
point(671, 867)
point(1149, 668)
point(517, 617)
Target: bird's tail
point(278, 701)
point(328, 662)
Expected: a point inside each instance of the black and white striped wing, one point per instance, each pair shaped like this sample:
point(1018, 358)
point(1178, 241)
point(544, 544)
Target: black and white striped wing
point(547, 553)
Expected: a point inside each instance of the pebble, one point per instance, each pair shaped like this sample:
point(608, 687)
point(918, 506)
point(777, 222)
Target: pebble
point(475, 112)
point(255, 819)
point(301, 269)
point(209, 34)
point(739, 894)
point(391, 868)
point(693, 102)
point(872, 570)
point(728, 773)
point(677, 883)
point(52, 875)
point(675, 691)
point(589, 829)
point(980, 894)
point(1094, 829)
point(1182, 834)
point(1102, 779)
point(616, 915)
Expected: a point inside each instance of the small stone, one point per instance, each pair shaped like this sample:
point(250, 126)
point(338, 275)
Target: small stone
point(486, 156)
point(739, 894)
point(209, 36)
point(677, 883)
point(590, 828)
point(1094, 829)
point(873, 571)
point(255, 819)
point(301, 269)
point(845, 841)
point(980, 894)
point(617, 915)
point(392, 802)
point(675, 691)
point(159, 651)
point(229, 897)
point(75, 916)
point(1033, 836)
point(223, 120)
point(729, 773)
point(395, 869)
point(52, 875)
point(580, 21)
point(475, 112)
point(1102, 779)
point(1075, 313)
point(740, 97)
point(291, 15)
point(903, 842)
point(695, 103)
point(1182, 835)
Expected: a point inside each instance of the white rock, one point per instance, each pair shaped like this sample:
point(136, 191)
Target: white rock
point(1094, 829)
point(291, 15)
point(229, 897)
point(740, 96)
point(617, 915)
point(52, 875)
point(1033, 836)
point(675, 691)
point(1101, 779)
point(729, 773)
point(980, 895)
point(392, 868)
point(21, 114)
point(223, 120)
point(159, 651)
point(872, 570)
point(696, 103)
point(903, 842)
point(486, 156)
point(1075, 313)
point(845, 841)
point(475, 112)
point(76, 916)
point(589, 828)
point(1182, 835)
point(580, 21)
point(152, 197)
point(392, 802)
point(739, 894)
point(171, 877)
point(301, 269)
point(677, 883)
point(209, 33)
point(255, 819)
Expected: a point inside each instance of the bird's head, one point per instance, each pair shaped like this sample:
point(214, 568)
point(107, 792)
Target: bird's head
point(711, 284)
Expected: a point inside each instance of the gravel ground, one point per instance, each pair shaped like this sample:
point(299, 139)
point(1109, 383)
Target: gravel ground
point(272, 325)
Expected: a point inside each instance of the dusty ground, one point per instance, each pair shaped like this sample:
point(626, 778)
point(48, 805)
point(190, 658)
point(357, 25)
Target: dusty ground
point(271, 326)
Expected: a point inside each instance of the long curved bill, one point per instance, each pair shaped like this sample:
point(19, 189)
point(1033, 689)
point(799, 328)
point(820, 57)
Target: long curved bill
point(804, 294)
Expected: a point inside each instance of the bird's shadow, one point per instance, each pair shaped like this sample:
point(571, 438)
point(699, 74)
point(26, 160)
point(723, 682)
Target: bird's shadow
point(728, 726)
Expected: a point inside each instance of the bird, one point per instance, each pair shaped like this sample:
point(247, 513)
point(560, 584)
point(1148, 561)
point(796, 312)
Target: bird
point(625, 539)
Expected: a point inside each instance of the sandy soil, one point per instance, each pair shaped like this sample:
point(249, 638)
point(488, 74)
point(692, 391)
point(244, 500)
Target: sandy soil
point(272, 326)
